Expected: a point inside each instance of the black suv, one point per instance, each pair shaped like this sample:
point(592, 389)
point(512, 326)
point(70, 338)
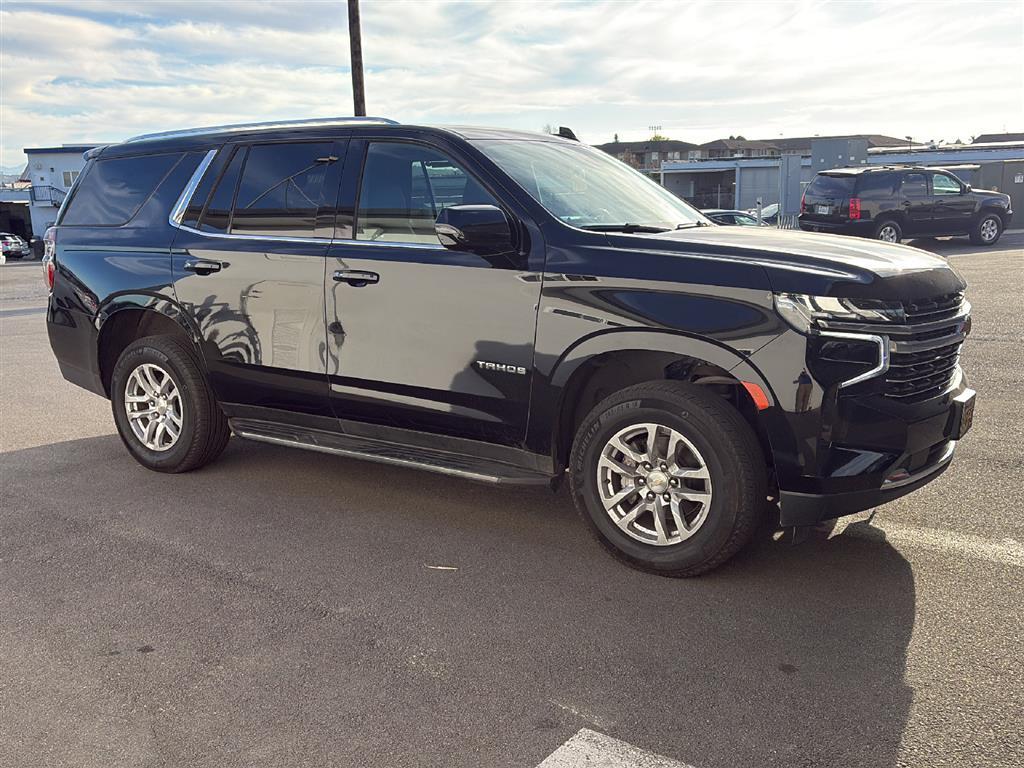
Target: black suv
point(506, 307)
point(890, 203)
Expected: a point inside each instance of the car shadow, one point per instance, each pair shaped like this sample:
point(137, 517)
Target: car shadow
point(962, 246)
point(327, 606)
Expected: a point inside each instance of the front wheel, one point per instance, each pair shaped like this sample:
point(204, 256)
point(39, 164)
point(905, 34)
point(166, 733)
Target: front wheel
point(163, 407)
point(669, 477)
point(987, 230)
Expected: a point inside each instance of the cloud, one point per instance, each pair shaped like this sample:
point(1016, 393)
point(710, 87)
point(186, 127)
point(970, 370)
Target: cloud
point(101, 71)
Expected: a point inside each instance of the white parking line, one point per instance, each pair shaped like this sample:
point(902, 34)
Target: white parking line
point(1005, 552)
point(590, 749)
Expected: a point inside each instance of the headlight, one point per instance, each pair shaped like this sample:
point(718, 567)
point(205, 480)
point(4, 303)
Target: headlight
point(808, 313)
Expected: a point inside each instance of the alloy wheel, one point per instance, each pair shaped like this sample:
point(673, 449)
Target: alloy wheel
point(654, 484)
point(154, 407)
point(989, 230)
point(887, 234)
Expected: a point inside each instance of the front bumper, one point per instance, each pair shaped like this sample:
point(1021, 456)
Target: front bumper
point(837, 451)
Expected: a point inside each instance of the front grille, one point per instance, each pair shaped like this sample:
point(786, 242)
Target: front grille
point(925, 353)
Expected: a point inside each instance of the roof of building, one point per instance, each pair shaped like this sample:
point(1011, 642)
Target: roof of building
point(737, 144)
point(987, 138)
point(665, 145)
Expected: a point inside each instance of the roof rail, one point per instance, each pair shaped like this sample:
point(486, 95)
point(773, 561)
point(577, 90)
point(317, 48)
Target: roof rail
point(323, 122)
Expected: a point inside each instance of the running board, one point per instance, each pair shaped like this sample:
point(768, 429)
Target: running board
point(413, 457)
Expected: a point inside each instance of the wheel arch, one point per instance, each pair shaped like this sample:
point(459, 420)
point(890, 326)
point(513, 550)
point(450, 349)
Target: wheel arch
point(128, 317)
point(608, 362)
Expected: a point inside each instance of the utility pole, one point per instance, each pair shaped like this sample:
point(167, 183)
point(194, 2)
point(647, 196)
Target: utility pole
point(355, 41)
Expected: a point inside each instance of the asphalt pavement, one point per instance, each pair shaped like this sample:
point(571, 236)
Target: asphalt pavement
point(286, 608)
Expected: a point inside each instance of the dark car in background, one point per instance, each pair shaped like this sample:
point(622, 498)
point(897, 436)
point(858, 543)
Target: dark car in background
point(506, 307)
point(891, 203)
point(731, 218)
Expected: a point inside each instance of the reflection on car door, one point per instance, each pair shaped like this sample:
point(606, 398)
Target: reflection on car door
point(249, 266)
point(917, 204)
point(409, 321)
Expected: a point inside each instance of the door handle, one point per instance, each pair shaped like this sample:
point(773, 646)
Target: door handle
point(202, 267)
point(356, 277)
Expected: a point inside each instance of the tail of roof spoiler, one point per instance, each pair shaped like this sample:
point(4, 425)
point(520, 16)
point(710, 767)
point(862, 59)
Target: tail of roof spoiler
point(94, 152)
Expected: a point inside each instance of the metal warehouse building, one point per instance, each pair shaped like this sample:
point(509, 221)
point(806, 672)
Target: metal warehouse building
point(738, 182)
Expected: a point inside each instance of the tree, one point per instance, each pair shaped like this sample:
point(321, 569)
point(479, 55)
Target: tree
point(659, 137)
point(616, 138)
point(547, 128)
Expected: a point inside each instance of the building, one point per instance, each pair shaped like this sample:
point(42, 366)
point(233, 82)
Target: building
point(51, 171)
point(647, 156)
point(739, 181)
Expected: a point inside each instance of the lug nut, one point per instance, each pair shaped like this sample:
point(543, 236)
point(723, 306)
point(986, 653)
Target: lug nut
point(639, 481)
point(647, 465)
point(666, 497)
point(664, 467)
point(650, 497)
point(673, 481)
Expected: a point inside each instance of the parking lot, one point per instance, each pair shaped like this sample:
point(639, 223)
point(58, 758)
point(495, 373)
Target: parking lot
point(286, 608)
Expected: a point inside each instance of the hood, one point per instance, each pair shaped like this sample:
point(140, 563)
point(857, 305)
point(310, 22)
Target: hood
point(810, 262)
point(989, 193)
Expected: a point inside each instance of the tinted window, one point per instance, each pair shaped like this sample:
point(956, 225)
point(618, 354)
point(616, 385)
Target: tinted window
point(746, 221)
point(403, 188)
point(218, 212)
point(876, 185)
point(282, 187)
point(944, 185)
point(914, 185)
point(112, 192)
point(824, 185)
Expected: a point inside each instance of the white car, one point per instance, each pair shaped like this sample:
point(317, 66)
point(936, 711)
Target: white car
point(13, 247)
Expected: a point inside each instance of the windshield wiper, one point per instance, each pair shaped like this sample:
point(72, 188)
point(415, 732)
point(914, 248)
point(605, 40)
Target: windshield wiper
point(692, 224)
point(627, 228)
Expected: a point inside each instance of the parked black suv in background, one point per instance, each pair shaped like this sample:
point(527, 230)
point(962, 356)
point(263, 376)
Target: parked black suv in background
point(890, 203)
point(504, 307)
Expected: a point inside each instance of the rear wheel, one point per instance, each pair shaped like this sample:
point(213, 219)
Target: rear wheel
point(163, 407)
point(669, 477)
point(987, 230)
point(888, 231)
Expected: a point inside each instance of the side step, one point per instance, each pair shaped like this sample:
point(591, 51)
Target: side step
point(414, 457)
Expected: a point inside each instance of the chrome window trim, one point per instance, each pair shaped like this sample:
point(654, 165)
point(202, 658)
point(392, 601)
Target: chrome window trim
point(178, 213)
point(319, 122)
point(883, 354)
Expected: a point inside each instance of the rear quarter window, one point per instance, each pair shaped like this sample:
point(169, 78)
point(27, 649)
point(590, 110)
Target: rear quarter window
point(877, 185)
point(112, 191)
point(831, 186)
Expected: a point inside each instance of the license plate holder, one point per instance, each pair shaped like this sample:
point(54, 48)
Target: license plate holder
point(963, 414)
point(822, 210)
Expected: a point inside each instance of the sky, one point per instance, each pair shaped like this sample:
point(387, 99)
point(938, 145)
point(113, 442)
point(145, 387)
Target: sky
point(90, 71)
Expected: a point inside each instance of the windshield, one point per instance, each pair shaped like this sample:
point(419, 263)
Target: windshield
point(587, 188)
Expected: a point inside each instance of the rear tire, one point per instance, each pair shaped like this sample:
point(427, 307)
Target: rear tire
point(888, 231)
point(163, 407)
point(988, 230)
point(711, 494)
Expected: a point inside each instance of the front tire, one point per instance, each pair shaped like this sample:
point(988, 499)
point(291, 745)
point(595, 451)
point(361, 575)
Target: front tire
point(988, 230)
point(669, 478)
point(163, 407)
point(888, 231)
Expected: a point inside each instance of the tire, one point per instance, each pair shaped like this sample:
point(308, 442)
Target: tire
point(203, 430)
point(889, 231)
point(988, 230)
point(721, 440)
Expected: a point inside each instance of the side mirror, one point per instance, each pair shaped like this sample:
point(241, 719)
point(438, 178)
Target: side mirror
point(480, 229)
point(965, 189)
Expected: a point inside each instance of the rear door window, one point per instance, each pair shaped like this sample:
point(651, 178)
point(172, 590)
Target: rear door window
point(914, 185)
point(217, 216)
point(282, 188)
point(113, 191)
point(825, 185)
